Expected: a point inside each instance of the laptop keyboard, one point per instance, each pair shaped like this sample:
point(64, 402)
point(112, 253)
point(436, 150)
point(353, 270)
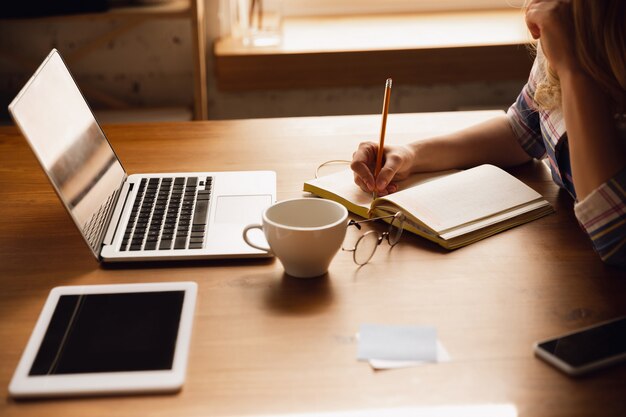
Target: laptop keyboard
point(168, 214)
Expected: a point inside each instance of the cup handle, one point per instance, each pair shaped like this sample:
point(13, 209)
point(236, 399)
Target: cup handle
point(245, 237)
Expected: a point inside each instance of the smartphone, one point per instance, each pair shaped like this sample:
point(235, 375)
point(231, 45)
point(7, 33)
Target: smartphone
point(587, 349)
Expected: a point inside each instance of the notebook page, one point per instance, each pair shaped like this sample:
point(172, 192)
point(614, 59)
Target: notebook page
point(342, 184)
point(516, 213)
point(463, 197)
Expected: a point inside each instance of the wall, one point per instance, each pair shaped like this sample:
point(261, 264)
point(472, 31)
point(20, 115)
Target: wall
point(151, 66)
point(148, 66)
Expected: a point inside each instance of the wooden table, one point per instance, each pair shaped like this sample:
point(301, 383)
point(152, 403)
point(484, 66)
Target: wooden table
point(268, 344)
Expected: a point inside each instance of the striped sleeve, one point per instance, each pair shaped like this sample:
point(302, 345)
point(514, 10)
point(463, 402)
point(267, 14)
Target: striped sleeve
point(523, 118)
point(602, 214)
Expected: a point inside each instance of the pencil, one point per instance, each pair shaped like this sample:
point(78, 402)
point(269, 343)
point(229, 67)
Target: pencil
point(383, 127)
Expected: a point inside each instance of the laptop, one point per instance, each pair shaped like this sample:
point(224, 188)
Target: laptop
point(138, 217)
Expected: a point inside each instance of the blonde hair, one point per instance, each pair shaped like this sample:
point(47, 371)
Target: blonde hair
point(600, 45)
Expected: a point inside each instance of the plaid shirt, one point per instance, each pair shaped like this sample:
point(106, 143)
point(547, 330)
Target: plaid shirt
point(542, 134)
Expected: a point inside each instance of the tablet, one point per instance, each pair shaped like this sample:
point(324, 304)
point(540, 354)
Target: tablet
point(108, 339)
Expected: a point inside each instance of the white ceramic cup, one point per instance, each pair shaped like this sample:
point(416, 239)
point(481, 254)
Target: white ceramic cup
point(303, 233)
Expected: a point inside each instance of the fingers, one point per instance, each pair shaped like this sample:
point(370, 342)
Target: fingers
point(363, 165)
point(543, 13)
point(358, 181)
point(363, 161)
point(531, 17)
point(534, 30)
point(391, 188)
point(393, 162)
point(551, 21)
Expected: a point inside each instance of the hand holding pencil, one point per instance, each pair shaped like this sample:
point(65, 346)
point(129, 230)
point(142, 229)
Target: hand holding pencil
point(375, 165)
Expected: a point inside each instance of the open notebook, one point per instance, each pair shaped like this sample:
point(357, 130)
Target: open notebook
point(451, 208)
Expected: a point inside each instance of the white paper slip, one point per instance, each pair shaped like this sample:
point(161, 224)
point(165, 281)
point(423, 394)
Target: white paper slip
point(398, 343)
point(380, 364)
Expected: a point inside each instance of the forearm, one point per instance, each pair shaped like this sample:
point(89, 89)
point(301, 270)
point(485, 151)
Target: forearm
point(490, 142)
point(596, 153)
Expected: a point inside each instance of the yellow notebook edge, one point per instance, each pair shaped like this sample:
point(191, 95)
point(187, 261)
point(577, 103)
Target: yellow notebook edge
point(320, 192)
point(475, 235)
point(499, 227)
point(411, 224)
point(509, 214)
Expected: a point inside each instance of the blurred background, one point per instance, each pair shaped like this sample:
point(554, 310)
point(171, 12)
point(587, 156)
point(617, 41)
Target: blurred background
point(152, 60)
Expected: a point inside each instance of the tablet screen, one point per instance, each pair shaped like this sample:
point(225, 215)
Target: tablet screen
point(115, 332)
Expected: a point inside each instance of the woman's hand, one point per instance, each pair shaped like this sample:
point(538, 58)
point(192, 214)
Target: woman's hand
point(397, 163)
point(551, 22)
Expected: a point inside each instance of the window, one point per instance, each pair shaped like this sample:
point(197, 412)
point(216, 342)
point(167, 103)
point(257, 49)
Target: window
point(342, 7)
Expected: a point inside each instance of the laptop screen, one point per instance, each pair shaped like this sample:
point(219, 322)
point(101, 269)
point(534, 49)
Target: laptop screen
point(71, 147)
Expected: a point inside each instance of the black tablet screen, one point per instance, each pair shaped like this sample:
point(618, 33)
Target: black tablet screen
point(111, 333)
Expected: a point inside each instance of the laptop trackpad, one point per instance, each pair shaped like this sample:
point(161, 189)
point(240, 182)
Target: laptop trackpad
point(241, 209)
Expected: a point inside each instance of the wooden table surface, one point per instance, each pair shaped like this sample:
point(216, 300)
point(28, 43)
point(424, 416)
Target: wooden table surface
point(268, 344)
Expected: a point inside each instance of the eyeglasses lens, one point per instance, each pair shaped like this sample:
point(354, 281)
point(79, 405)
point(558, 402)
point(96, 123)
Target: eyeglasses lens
point(365, 247)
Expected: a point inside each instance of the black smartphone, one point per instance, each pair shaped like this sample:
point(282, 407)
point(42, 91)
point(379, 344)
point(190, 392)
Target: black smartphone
point(586, 349)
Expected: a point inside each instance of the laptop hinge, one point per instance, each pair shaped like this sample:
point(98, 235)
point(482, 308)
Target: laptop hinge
point(116, 217)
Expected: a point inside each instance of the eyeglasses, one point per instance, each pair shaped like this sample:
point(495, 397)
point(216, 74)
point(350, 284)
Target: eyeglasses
point(320, 171)
point(366, 245)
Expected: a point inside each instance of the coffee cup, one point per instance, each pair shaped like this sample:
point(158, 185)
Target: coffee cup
point(303, 233)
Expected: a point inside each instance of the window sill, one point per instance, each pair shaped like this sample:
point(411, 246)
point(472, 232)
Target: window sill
point(422, 48)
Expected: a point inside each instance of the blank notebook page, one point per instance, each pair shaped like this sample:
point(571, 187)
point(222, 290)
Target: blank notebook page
point(464, 197)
